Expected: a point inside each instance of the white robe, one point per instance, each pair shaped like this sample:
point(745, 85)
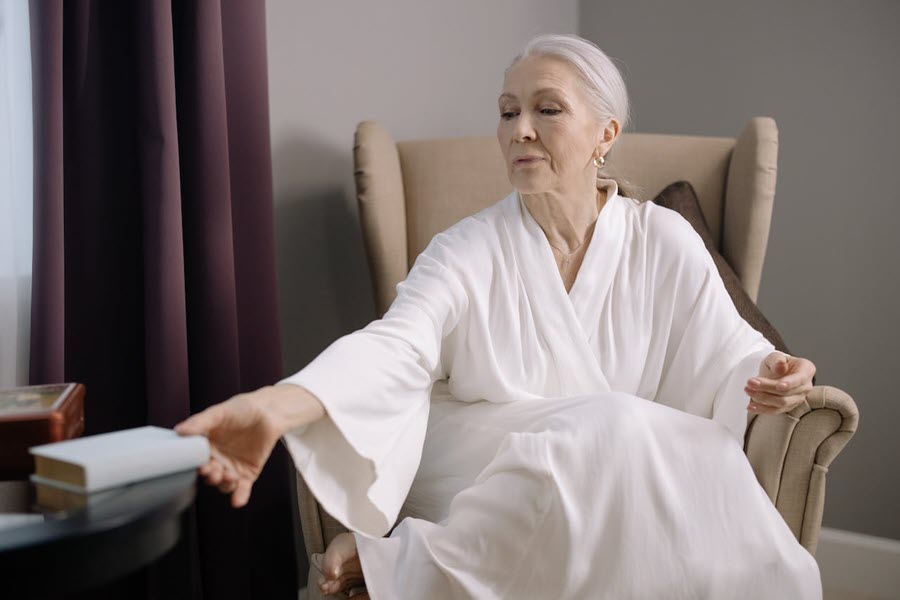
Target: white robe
point(539, 444)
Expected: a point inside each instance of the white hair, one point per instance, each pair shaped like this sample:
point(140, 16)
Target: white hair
point(603, 81)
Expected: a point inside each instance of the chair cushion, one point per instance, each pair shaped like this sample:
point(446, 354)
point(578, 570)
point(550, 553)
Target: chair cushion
point(680, 197)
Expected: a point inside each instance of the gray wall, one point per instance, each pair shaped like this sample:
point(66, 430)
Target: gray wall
point(827, 72)
point(422, 69)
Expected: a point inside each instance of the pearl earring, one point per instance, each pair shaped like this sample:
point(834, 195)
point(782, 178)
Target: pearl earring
point(599, 161)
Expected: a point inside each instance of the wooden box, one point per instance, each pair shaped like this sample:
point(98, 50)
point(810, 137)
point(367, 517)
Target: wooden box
point(35, 415)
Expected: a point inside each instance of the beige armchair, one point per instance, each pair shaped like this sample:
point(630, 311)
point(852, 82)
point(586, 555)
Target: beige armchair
point(409, 191)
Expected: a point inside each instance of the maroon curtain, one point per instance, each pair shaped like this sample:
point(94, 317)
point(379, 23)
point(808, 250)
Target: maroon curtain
point(154, 259)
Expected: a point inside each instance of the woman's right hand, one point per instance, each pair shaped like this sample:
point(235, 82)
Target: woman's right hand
point(243, 430)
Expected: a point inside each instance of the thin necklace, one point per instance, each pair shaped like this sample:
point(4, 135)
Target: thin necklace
point(566, 257)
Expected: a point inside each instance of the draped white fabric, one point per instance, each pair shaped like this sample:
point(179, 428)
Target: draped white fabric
point(537, 443)
point(16, 200)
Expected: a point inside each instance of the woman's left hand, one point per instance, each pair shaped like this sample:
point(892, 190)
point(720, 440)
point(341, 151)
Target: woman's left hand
point(782, 384)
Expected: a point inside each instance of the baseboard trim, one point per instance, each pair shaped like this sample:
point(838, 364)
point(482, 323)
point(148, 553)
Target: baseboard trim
point(863, 564)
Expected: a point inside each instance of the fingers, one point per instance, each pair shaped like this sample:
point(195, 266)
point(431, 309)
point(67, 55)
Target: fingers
point(791, 376)
point(786, 405)
point(791, 385)
point(241, 494)
point(764, 403)
point(762, 409)
point(229, 484)
point(213, 472)
point(778, 362)
point(218, 460)
point(787, 388)
point(226, 481)
point(201, 423)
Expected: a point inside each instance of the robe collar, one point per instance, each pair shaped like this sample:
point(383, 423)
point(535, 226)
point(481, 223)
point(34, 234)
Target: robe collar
point(570, 320)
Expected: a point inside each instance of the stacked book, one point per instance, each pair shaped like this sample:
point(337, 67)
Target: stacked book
point(79, 472)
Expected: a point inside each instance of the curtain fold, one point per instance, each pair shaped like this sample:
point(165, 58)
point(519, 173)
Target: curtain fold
point(155, 262)
point(47, 315)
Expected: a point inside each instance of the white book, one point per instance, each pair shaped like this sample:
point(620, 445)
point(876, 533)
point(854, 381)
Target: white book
point(98, 462)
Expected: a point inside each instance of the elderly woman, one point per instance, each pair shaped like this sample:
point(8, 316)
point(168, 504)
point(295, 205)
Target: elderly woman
point(555, 403)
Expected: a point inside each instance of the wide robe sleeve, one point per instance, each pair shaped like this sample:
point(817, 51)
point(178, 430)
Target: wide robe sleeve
point(359, 460)
point(710, 350)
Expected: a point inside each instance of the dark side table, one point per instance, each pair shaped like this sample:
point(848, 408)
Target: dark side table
point(61, 555)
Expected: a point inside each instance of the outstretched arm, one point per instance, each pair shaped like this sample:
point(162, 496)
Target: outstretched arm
point(354, 417)
point(243, 430)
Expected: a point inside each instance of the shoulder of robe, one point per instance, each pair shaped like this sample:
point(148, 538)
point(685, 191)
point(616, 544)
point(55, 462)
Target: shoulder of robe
point(471, 236)
point(671, 236)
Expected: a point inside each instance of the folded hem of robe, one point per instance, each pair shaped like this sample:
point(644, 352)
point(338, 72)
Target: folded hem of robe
point(341, 476)
point(728, 410)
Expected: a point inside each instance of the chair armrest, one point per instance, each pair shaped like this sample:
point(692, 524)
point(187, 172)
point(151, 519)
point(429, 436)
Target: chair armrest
point(318, 527)
point(790, 454)
point(310, 521)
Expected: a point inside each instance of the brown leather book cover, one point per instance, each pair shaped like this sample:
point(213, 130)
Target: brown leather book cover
point(35, 415)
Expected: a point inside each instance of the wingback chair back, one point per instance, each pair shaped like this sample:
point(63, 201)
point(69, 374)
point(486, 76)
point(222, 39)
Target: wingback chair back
point(409, 191)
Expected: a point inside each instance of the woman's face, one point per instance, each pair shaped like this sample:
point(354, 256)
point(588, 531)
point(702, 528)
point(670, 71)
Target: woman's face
point(547, 132)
